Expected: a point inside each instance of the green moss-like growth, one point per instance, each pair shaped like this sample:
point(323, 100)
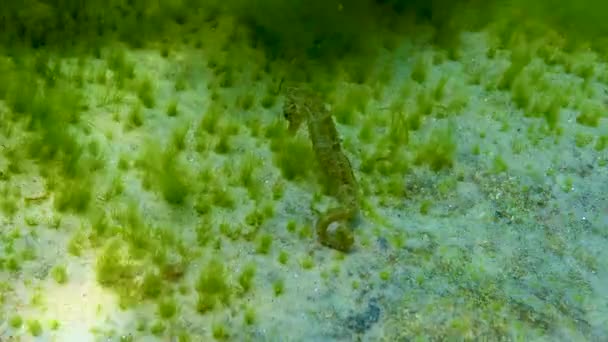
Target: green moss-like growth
point(425, 206)
point(499, 165)
point(581, 139)
point(135, 117)
point(264, 244)
point(121, 67)
point(220, 331)
point(283, 257)
point(15, 321)
point(51, 112)
point(60, 274)
point(247, 176)
point(439, 91)
point(152, 285)
point(601, 143)
point(227, 77)
point(551, 114)
point(246, 101)
point(519, 60)
point(424, 106)
point(222, 197)
point(147, 93)
point(246, 277)
point(421, 69)
point(167, 308)
point(438, 151)
point(269, 99)
point(74, 195)
point(113, 265)
point(249, 317)
point(172, 109)
point(276, 133)
point(223, 145)
point(212, 286)
point(76, 243)
point(34, 327)
point(117, 269)
point(278, 287)
point(158, 328)
point(181, 83)
point(590, 114)
point(294, 158)
point(305, 232)
point(211, 119)
point(178, 137)
point(385, 275)
point(8, 200)
point(54, 325)
point(355, 102)
point(307, 262)
point(164, 172)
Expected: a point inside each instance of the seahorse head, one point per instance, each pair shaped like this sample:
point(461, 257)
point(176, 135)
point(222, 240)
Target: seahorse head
point(295, 107)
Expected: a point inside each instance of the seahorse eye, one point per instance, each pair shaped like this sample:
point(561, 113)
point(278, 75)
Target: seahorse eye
point(286, 114)
point(288, 111)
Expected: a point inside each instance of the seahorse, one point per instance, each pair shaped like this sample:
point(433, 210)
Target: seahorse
point(333, 227)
